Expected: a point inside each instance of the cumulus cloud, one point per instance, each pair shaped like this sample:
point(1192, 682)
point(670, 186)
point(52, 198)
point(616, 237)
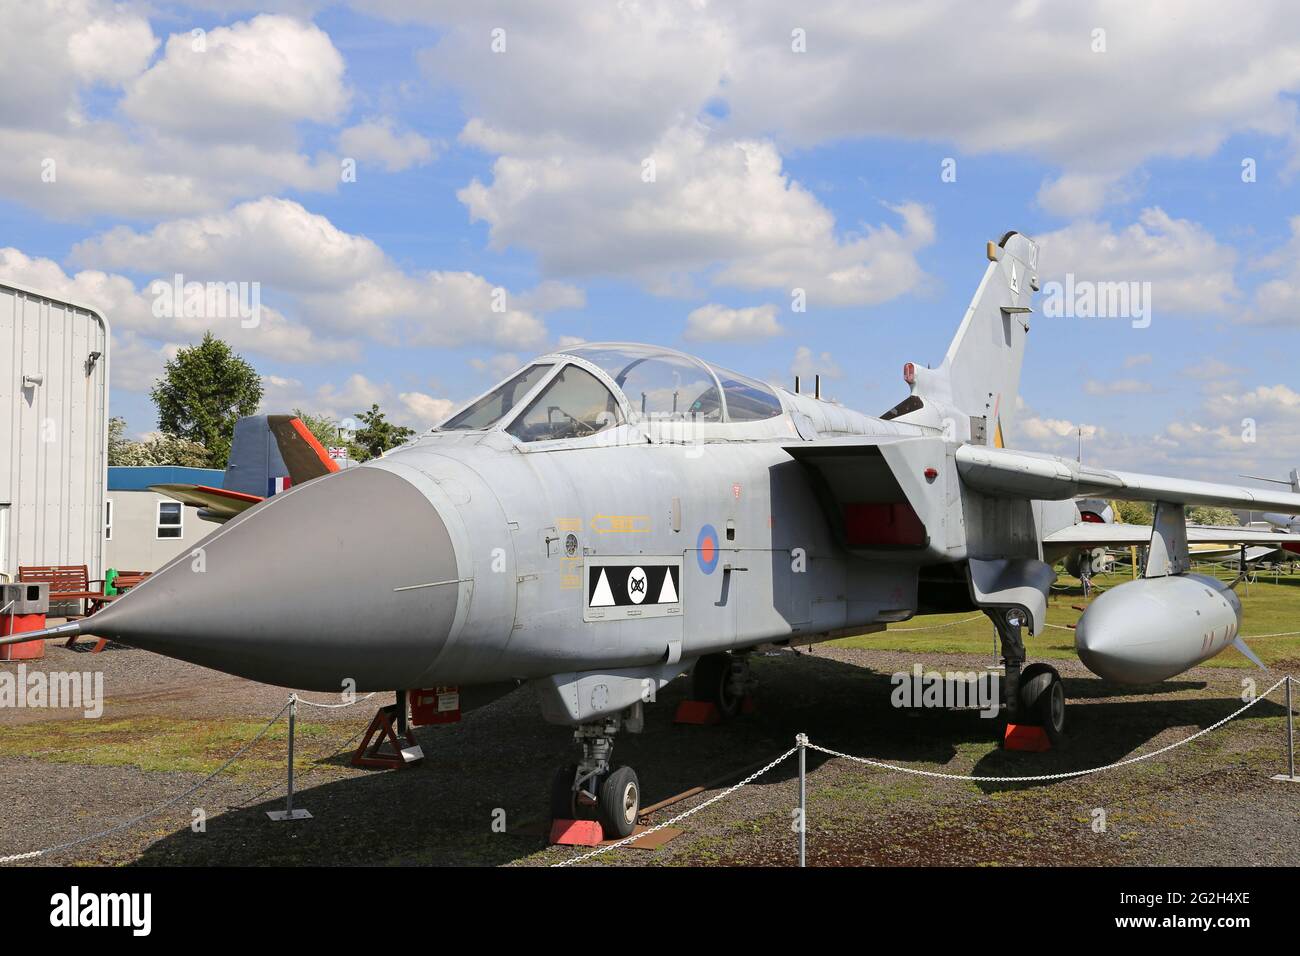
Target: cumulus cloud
point(355, 394)
point(807, 363)
point(136, 310)
point(380, 141)
point(1139, 93)
point(337, 280)
point(1189, 270)
point(708, 203)
point(204, 127)
point(250, 80)
point(719, 323)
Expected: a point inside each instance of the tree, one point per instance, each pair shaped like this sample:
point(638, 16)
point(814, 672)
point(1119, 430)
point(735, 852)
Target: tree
point(118, 443)
point(161, 449)
point(328, 432)
point(376, 434)
point(1133, 512)
point(204, 390)
point(1216, 517)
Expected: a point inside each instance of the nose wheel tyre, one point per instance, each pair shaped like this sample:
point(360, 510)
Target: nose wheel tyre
point(620, 803)
point(1042, 700)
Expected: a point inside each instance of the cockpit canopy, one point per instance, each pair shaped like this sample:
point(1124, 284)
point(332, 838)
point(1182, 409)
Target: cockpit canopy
point(657, 385)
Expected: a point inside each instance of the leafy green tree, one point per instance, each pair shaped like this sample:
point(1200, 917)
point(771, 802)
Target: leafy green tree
point(1218, 517)
point(204, 390)
point(163, 449)
point(1133, 512)
point(376, 434)
point(329, 433)
point(118, 443)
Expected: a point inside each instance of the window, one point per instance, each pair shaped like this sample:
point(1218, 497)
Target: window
point(658, 384)
point(748, 400)
point(574, 404)
point(108, 519)
point(170, 516)
point(489, 409)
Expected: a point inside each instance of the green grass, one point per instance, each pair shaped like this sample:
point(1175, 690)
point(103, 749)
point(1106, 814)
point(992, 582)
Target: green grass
point(1269, 608)
point(163, 743)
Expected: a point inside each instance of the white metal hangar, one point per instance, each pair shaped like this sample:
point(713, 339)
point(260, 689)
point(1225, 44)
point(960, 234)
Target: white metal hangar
point(53, 432)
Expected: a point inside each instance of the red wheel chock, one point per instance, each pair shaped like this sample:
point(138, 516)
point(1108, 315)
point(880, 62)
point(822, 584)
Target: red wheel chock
point(706, 711)
point(1026, 737)
point(398, 756)
point(576, 833)
point(697, 712)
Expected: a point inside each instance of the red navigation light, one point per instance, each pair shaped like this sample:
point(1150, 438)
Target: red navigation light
point(909, 373)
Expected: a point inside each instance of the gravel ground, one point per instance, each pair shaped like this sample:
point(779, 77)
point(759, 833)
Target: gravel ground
point(167, 724)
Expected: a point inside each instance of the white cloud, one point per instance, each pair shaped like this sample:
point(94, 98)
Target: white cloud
point(357, 393)
point(337, 280)
point(1026, 81)
point(207, 127)
point(253, 81)
point(722, 204)
point(1189, 271)
point(719, 323)
point(1277, 299)
point(380, 141)
point(129, 309)
point(806, 364)
point(1120, 386)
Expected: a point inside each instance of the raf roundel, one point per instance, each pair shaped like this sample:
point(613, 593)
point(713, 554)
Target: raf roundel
point(706, 549)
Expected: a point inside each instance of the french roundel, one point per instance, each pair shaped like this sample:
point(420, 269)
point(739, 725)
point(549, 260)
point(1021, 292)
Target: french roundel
point(706, 549)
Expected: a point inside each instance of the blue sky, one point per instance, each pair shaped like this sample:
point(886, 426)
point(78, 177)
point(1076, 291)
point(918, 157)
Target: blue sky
point(775, 168)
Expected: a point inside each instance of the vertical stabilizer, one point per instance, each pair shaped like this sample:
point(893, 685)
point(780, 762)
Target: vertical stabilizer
point(980, 375)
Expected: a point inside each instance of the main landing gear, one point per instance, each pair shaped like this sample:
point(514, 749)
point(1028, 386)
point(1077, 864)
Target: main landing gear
point(597, 786)
point(1035, 695)
point(723, 680)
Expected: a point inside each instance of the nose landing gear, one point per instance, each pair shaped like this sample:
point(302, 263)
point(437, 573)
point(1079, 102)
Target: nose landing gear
point(595, 785)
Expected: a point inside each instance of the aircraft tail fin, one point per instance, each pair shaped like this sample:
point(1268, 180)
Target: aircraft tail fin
point(270, 453)
point(980, 374)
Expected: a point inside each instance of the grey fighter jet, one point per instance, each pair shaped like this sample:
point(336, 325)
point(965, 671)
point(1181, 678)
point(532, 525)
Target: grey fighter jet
point(612, 517)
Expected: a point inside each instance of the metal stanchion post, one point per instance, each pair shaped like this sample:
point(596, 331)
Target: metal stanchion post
point(1289, 776)
point(289, 813)
point(802, 741)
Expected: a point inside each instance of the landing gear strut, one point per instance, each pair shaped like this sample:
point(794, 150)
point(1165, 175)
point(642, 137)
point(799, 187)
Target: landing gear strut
point(1034, 695)
point(596, 784)
point(723, 680)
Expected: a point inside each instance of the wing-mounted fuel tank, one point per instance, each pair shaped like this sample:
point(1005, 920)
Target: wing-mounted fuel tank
point(1153, 628)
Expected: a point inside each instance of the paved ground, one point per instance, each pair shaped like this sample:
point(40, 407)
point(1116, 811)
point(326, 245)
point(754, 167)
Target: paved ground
point(167, 724)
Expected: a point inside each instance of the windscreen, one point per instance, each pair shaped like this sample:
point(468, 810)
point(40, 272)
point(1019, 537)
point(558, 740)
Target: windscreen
point(489, 409)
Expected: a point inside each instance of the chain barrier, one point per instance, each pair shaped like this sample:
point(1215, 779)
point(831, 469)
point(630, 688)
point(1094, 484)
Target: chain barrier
point(353, 703)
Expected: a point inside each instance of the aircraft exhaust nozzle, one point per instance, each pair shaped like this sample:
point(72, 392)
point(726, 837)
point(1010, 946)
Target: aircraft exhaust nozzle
point(341, 579)
point(1149, 630)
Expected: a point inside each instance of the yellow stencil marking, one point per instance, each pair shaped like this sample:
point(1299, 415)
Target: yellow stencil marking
point(620, 524)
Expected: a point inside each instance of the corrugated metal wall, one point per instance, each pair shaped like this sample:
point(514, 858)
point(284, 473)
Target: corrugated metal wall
point(53, 435)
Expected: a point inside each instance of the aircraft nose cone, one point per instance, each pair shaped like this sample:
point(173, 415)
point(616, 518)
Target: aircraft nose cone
point(334, 580)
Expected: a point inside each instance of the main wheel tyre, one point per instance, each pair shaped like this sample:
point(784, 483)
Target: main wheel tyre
point(1042, 700)
point(620, 803)
point(563, 799)
point(711, 681)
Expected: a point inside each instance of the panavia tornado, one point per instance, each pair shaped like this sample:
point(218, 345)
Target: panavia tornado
point(612, 517)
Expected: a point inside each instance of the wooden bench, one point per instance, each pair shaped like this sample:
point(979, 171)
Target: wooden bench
point(126, 580)
point(69, 583)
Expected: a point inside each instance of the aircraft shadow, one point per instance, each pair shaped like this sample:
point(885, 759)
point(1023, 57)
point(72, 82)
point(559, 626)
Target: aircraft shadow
point(496, 765)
